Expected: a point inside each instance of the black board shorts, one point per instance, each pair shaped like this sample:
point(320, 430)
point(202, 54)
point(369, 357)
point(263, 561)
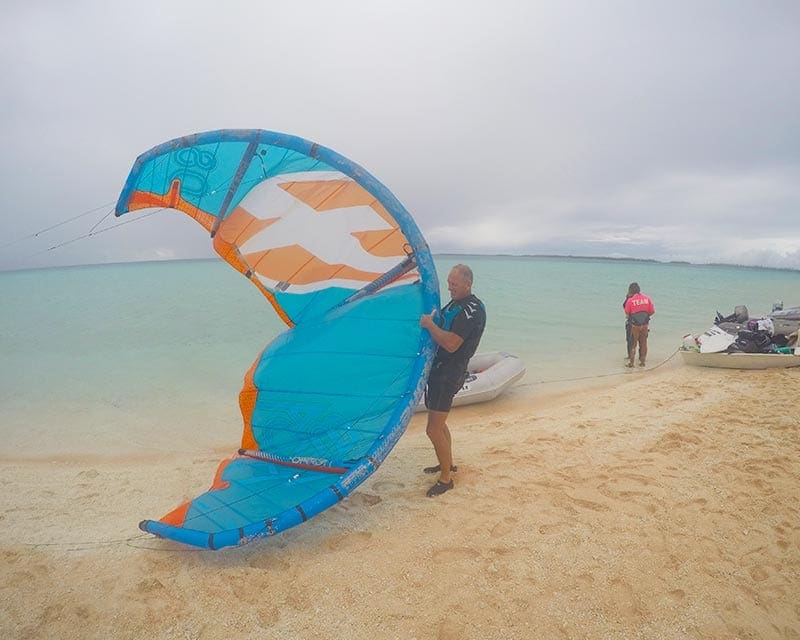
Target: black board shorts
point(443, 385)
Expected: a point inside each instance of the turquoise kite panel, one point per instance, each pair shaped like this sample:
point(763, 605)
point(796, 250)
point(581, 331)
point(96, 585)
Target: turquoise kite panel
point(344, 264)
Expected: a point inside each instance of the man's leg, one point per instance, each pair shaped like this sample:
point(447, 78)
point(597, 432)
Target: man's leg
point(439, 435)
point(643, 344)
point(632, 345)
point(628, 338)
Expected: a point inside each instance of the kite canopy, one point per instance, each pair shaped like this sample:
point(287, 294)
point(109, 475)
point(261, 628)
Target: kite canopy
point(345, 266)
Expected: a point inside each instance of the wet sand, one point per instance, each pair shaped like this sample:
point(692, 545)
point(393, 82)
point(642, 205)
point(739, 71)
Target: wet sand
point(656, 504)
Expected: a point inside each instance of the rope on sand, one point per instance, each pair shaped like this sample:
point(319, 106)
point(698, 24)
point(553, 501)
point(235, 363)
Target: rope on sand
point(133, 541)
point(85, 545)
point(601, 375)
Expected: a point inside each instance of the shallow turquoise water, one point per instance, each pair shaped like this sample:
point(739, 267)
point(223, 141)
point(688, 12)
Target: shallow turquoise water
point(153, 354)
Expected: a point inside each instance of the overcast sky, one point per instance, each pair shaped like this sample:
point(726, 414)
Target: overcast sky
point(666, 130)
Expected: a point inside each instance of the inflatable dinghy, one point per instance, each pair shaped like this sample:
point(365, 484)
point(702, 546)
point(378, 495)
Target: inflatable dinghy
point(488, 375)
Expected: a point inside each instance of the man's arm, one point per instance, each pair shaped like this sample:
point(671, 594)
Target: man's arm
point(448, 340)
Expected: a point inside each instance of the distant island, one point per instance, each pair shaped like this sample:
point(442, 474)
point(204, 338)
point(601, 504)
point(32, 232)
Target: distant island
point(550, 256)
point(613, 259)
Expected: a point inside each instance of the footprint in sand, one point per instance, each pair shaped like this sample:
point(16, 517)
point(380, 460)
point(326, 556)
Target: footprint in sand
point(758, 573)
point(624, 598)
point(268, 563)
point(449, 629)
point(780, 534)
point(149, 585)
point(361, 499)
point(20, 579)
point(734, 607)
point(498, 451)
point(349, 540)
point(591, 505)
point(246, 591)
point(585, 579)
point(507, 526)
point(552, 529)
point(455, 554)
point(388, 486)
point(298, 600)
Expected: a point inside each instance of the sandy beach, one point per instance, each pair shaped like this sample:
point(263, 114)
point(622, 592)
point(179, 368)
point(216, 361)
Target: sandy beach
point(656, 504)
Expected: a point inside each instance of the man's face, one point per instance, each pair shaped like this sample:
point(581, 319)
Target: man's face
point(458, 286)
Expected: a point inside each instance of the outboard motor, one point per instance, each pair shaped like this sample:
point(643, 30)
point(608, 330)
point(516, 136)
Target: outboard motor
point(734, 322)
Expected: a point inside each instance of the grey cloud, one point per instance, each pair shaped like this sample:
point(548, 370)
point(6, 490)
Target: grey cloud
point(666, 130)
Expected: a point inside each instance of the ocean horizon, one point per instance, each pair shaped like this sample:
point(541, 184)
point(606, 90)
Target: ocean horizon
point(444, 254)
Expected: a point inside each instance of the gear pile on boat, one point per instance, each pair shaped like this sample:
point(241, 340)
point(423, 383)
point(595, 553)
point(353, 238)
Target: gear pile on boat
point(739, 333)
point(765, 341)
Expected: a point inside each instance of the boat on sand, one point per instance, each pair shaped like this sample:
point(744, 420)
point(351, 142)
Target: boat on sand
point(488, 375)
point(739, 360)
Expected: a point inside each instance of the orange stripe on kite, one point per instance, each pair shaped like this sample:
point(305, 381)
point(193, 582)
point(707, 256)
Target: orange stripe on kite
point(340, 194)
point(247, 403)
point(241, 225)
point(230, 254)
point(325, 195)
point(296, 265)
point(177, 517)
point(171, 199)
point(218, 482)
point(384, 244)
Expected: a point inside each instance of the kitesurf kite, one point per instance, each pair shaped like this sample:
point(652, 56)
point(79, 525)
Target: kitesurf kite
point(346, 268)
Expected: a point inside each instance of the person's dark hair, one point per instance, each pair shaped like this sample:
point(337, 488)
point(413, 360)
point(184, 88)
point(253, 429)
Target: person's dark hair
point(633, 288)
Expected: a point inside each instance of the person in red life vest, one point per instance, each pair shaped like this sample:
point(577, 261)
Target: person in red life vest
point(628, 337)
point(639, 309)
